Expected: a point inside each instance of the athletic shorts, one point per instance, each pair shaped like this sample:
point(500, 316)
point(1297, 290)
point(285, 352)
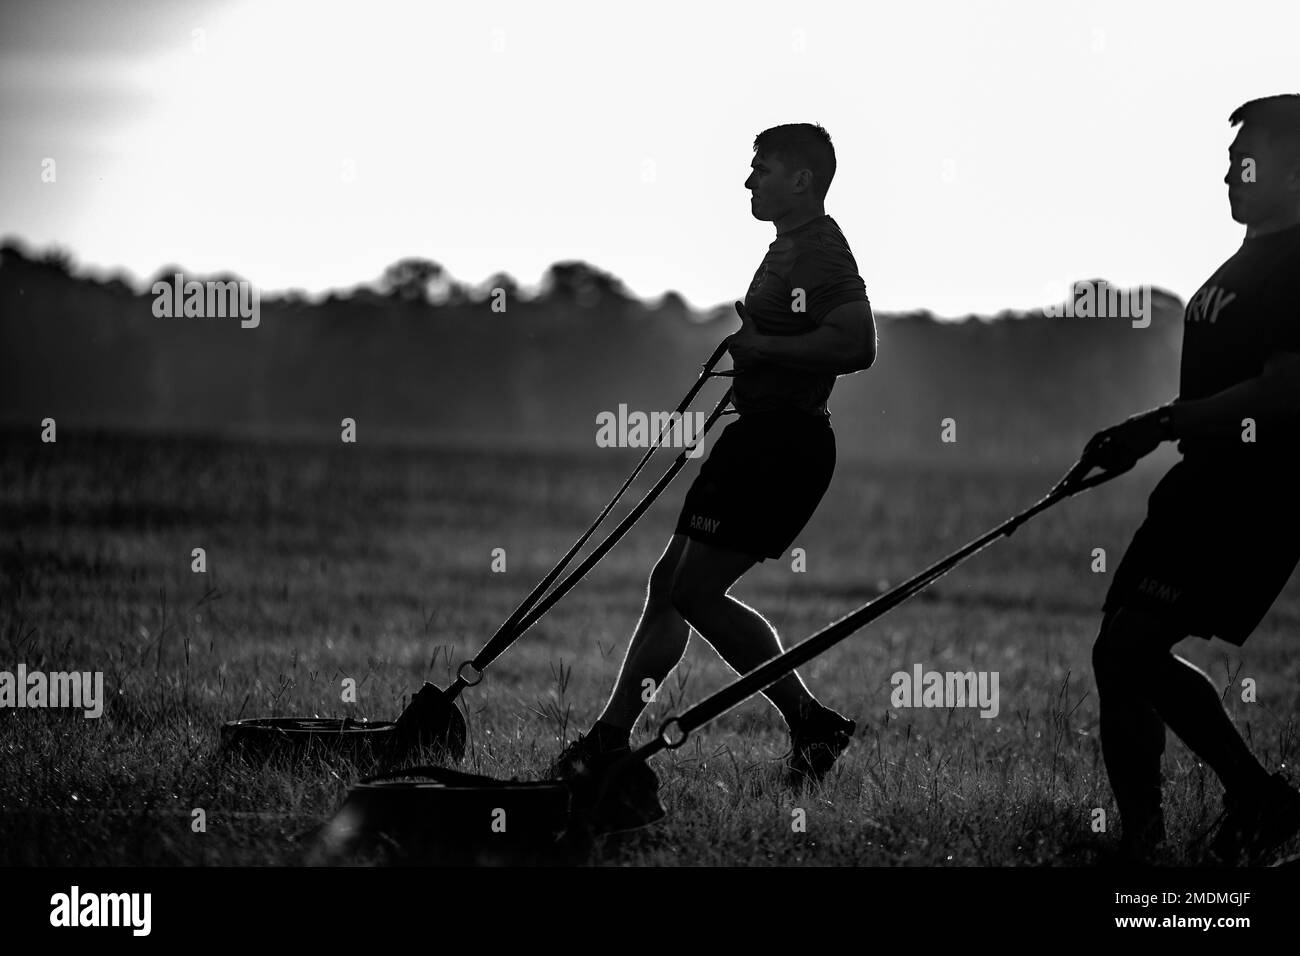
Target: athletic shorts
point(1215, 550)
point(760, 483)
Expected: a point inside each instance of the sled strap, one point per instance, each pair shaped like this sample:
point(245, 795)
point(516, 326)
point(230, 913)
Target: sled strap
point(512, 623)
point(504, 637)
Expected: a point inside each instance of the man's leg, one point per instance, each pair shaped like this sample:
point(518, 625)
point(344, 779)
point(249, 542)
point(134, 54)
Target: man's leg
point(1132, 733)
point(740, 635)
point(1186, 698)
point(658, 643)
point(1143, 686)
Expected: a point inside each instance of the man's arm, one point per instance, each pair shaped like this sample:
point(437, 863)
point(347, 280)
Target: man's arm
point(1273, 395)
point(845, 342)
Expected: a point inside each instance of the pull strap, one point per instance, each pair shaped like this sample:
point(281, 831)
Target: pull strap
point(503, 639)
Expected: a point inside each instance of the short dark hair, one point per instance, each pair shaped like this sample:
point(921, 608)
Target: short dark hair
point(801, 146)
point(1278, 116)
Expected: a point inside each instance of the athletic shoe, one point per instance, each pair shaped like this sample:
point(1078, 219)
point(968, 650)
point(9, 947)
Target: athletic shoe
point(1256, 821)
point(623, 796)
point(815, 745)
point(585, 756)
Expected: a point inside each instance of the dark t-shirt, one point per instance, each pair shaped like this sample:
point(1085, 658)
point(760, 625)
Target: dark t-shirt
point(1246, 312)
point(814, 257)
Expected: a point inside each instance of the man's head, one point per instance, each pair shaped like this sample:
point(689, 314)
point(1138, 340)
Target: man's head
point(792, 168)
point(1264, 162)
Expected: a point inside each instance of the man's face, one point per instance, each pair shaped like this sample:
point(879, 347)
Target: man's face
point(771, 188)
point(1262, 181)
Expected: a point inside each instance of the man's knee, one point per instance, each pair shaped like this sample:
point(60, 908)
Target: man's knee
point(664, 573)
point(687, 594)
point(704, 576)
point(1130, 644)
point(696, 585)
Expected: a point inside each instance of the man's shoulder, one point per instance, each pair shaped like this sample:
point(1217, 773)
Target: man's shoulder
point(823, 249)
point(824, 238)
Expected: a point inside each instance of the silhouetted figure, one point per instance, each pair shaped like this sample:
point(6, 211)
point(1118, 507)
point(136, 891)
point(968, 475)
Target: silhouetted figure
point(1222, 532)
point(805, 320)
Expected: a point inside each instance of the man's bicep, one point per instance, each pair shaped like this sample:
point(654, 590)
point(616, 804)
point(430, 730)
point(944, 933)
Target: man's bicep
point(821, 281)
point(857, 323)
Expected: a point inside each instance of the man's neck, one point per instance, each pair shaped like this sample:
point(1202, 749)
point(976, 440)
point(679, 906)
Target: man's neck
point(1277, 224)
point(796, 219)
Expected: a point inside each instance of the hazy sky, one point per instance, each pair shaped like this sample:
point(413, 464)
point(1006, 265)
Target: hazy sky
point(989, 152)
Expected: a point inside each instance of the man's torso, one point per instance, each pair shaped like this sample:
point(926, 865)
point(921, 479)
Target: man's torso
point(816, 258)
point(1244, 313)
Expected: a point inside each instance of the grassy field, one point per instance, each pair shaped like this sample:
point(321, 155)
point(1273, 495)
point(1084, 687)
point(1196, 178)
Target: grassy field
point(374, 564)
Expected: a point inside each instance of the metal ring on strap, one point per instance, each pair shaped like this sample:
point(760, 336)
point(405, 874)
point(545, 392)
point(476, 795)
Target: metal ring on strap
point(460, 674)
point(665, 733)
